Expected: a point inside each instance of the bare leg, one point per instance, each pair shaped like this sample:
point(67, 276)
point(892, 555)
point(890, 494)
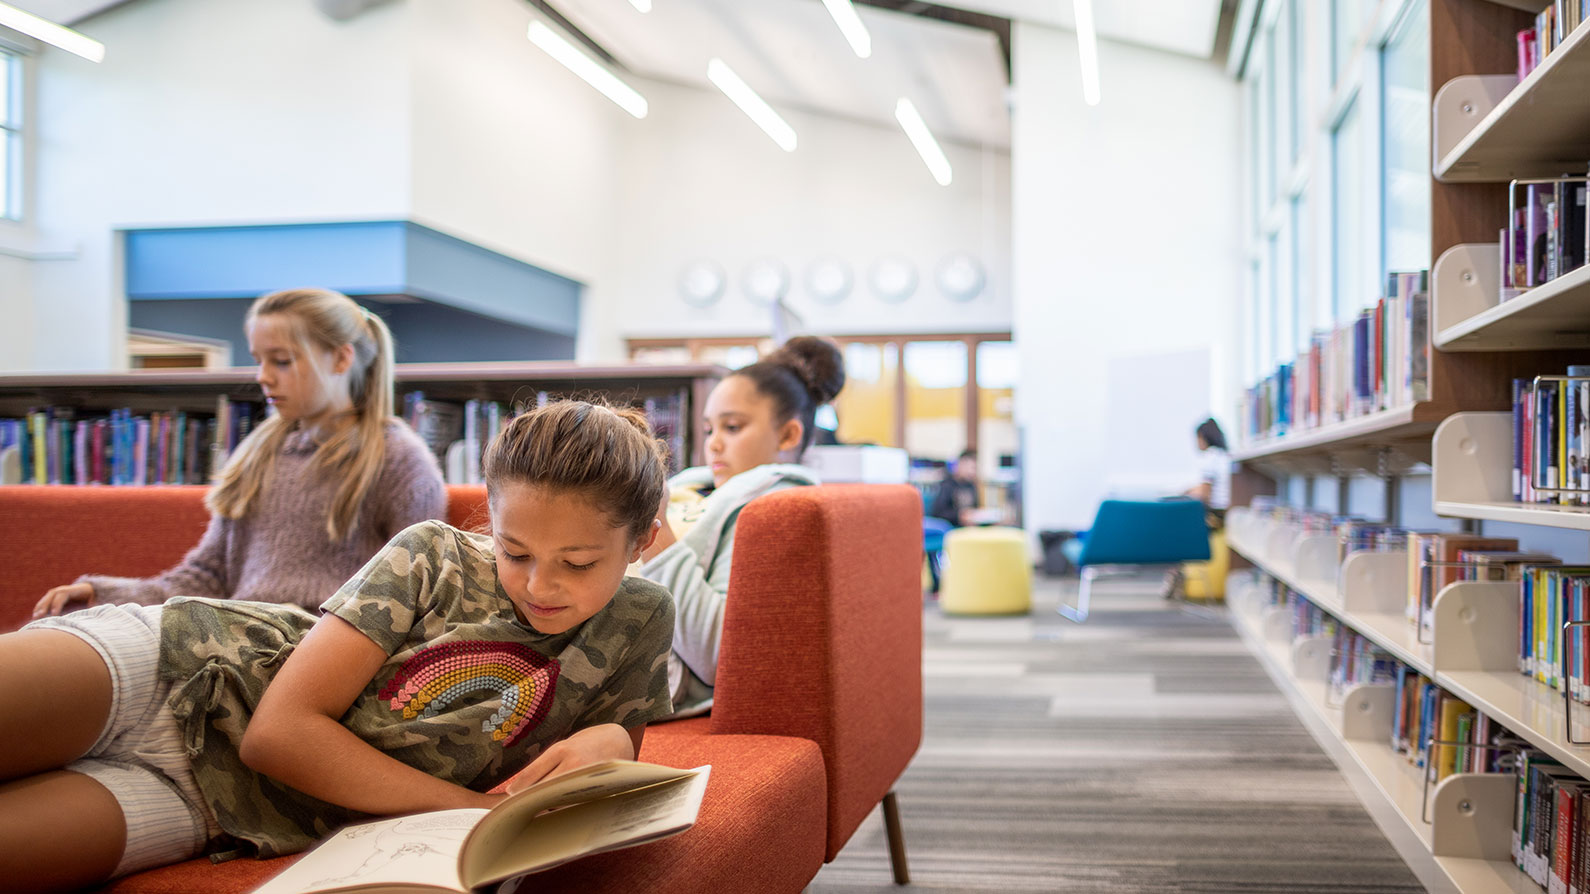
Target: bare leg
point(55, 695)
point(58, 831)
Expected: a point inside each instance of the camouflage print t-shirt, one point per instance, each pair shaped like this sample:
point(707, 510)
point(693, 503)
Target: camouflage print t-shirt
point(469, 694)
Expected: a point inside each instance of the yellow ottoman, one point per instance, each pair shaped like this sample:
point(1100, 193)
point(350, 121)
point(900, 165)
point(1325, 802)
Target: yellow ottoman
point(986, 572)
point(1206, 581)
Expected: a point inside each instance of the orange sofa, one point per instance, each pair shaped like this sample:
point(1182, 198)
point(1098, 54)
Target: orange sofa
point(818, 699)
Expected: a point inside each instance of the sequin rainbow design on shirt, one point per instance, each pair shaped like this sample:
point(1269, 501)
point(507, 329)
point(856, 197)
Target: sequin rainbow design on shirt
point(435, 679)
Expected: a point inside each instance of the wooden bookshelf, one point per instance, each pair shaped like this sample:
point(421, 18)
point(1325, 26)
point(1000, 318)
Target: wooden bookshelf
point(196, 391)
point(1537, 127)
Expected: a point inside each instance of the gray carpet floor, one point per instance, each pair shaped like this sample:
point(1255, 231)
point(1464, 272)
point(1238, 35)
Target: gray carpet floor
point(1143, 751)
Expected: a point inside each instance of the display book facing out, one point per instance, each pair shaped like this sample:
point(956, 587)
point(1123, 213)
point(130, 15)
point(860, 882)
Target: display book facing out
point(601, 807)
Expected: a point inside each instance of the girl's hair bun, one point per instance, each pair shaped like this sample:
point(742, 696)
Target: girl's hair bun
point(817, 362)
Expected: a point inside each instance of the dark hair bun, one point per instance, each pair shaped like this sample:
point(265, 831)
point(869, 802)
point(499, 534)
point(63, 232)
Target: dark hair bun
point(817, 362)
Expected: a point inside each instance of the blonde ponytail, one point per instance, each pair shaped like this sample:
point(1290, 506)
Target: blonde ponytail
point(354, 453)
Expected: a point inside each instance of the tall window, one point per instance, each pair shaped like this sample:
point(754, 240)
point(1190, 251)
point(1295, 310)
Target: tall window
point(10, 135)
point(1348, 18)
point(1351, 286)
point(1406, 133)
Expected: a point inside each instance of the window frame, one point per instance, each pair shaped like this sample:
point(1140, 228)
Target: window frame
point(1334, 68)
point(13, 131)
point(972, 413)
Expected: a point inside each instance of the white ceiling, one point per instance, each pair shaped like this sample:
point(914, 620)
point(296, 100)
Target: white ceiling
point(1177, 26)
point(793, 54)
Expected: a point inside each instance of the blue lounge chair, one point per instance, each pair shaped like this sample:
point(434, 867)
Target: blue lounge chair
point(1130, 535)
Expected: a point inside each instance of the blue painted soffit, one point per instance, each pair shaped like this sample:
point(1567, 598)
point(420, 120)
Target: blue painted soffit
point(365, 258)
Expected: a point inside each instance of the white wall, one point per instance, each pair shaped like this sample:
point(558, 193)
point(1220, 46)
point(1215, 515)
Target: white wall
point(1125, 243)
point(510, 150)
point(206, 111)
point(700, 181)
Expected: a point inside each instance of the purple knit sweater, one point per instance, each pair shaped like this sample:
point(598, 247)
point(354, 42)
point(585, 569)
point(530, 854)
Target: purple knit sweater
point(279, 551)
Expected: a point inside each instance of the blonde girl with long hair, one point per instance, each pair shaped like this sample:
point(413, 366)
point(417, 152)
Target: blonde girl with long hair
point(317, 488)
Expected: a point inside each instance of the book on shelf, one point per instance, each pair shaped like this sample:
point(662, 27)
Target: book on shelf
point(437, 422)
point(65, 445)
point(1551, 439)
point(1553, 24)
point(1548, 234)
point(459, 433)
point(1431, 566)
point(601, 807)
point(1377, 361)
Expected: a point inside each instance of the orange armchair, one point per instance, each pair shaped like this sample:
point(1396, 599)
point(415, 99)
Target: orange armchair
point(819, 688)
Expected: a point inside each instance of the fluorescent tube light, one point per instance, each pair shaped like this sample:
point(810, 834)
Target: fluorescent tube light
point(642, 5)
point(1087, 49)
point(850, 25)
point(51, 33)
point(589, 70)
point(719, 73)
point(926, 146)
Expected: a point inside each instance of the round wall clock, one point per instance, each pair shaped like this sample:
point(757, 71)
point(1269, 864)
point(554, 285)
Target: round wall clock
point(961, 278)
point(701, 283)
point(828, 281)
point(893, 279)
point(766, 281)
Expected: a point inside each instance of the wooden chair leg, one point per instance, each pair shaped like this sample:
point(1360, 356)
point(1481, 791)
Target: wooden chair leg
point(891, 825)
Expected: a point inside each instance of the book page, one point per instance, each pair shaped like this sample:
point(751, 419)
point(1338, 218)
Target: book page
point(587, 783)
point(419, 850)
point(619, 820)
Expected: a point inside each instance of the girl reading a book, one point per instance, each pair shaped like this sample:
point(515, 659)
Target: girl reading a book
point(316, 489)
point(136, 736)
point(758, 422)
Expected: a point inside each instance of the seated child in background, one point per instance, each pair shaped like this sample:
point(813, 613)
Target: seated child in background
point(137, 736)
point(754, 417)
point(317, 488)
point(956, 499)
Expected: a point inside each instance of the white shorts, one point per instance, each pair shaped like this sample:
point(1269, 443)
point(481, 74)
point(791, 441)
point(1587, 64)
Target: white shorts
point(139, 756)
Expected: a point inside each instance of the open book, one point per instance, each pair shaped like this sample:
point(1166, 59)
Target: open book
point(605, 806)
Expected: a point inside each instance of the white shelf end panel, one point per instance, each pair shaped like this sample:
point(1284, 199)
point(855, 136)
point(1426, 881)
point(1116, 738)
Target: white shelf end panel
point(1473, 620)
point(1465, 283)
point(1472, 475)
point(1459, 107)
point(1366, 712)
point(1472, 816)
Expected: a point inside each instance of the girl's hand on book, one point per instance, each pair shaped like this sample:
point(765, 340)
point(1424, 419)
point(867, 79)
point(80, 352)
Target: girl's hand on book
point(57, 600)
point(609, 741)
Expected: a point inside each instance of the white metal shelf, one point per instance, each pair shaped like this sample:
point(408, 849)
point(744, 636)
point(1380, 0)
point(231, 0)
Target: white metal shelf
point(1527, 707)
point(1539, 128)
point(1397, 784)
point(1397, 424)
point(1361, 605)
point(1473, 654)
point(1471, 475)
point(1468, 315)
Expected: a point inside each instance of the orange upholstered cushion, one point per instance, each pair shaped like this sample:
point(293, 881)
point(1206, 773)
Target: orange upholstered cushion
point(822, 635)
point(760, 829)
point(58, 532)
point(62, 532)
point(466, 507)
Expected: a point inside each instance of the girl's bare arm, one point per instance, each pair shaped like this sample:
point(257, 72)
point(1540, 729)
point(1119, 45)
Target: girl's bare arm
point(295, 735)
